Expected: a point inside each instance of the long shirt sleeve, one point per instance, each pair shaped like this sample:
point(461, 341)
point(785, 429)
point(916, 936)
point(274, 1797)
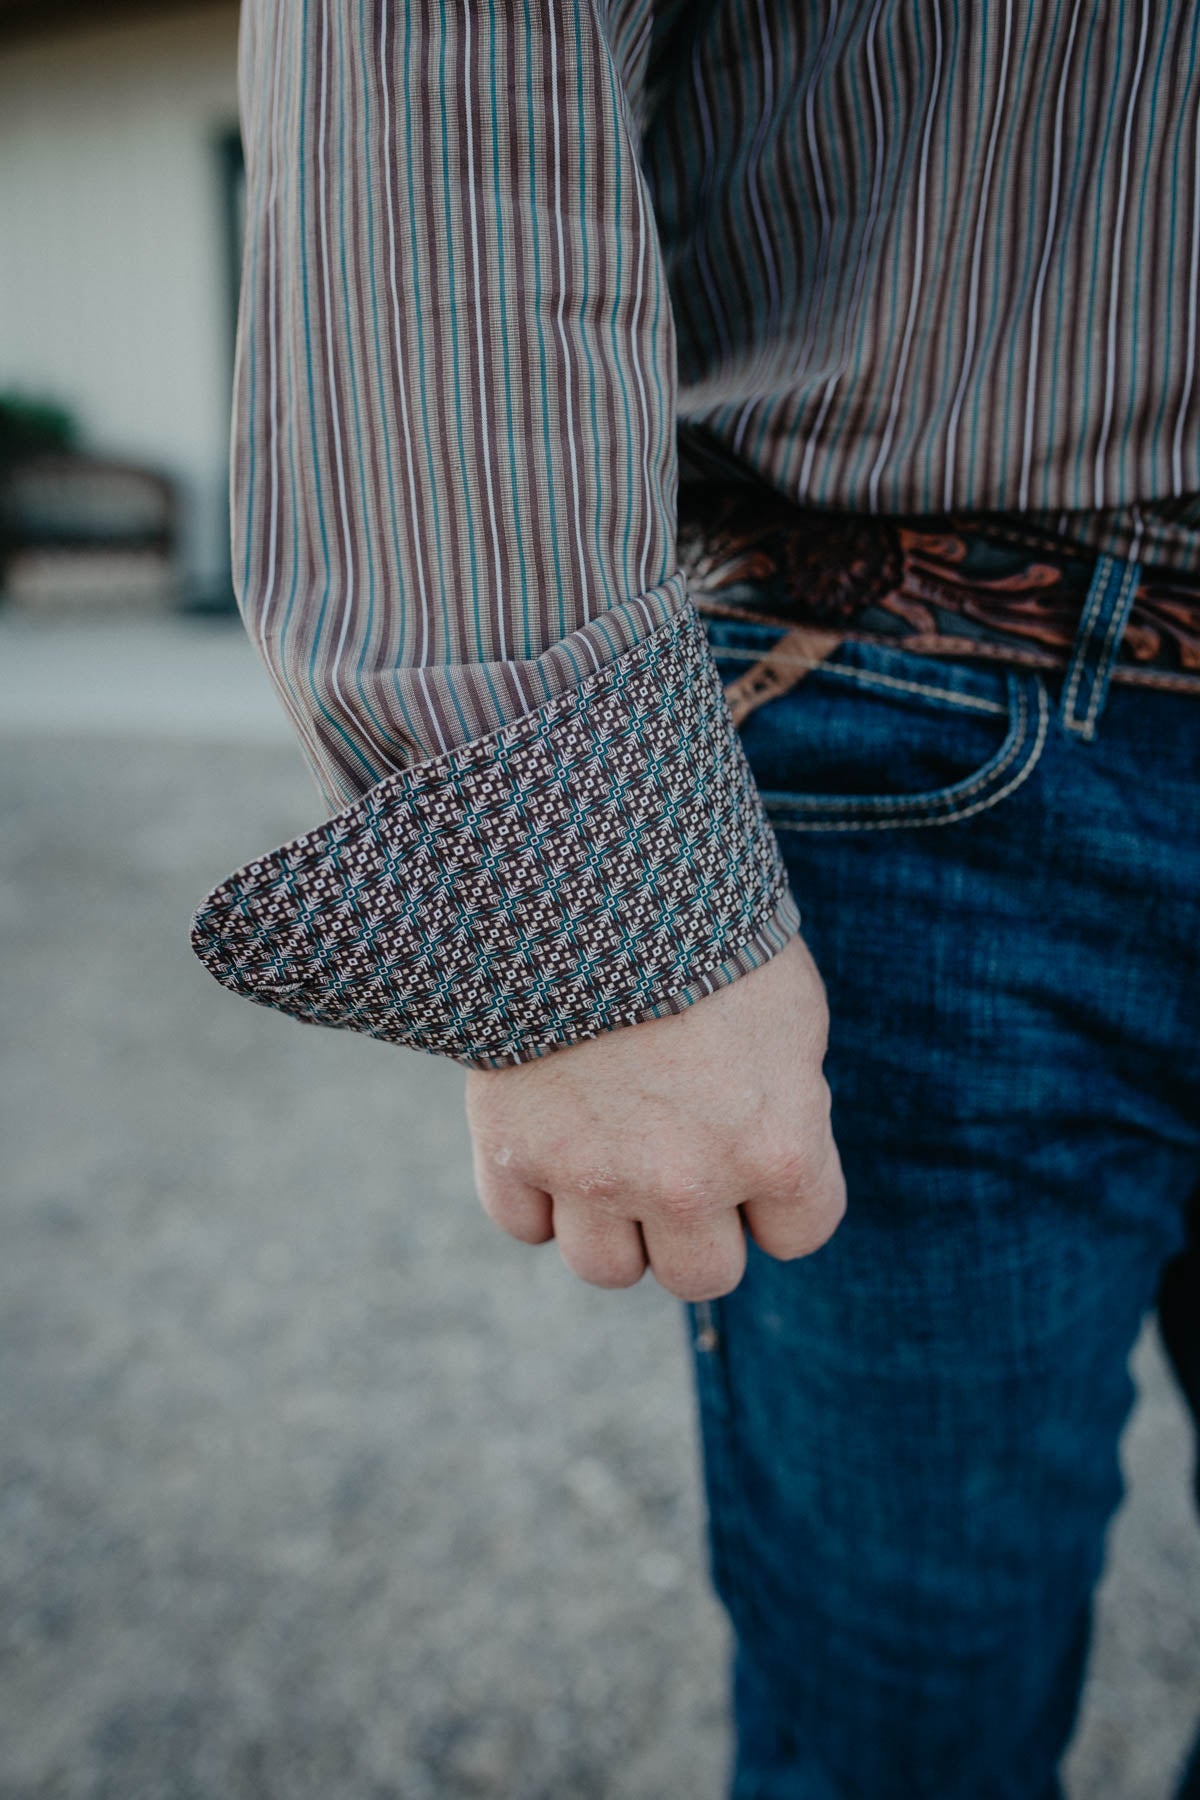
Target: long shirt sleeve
point(454, 542)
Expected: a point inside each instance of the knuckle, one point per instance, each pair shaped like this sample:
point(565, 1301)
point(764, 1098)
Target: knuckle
point(679, 1203)
point(597, 1186)
point(499, 1153)
point(797, 1165)
point(784, 1169)
point(821, 1102)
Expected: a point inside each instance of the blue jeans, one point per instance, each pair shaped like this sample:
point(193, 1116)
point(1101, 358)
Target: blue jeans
point(910, 1438)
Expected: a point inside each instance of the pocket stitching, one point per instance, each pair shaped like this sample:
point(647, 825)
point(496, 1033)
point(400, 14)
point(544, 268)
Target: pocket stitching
point(994, 767)
point(916, 804)
point(871, 678)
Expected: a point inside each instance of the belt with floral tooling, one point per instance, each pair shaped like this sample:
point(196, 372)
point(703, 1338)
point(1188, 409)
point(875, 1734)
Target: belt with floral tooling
point(963, 587)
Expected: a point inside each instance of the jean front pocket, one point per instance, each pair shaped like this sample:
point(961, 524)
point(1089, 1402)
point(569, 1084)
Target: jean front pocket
point(877, 739)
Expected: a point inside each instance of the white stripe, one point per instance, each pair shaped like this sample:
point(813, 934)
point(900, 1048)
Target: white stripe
point(1139, 527)
point(358, 734)
point(569, 374)
point(272, 261)
point(753, 162)
point(645, 612)
point(1194, 269)
point(588, 645)
point(1114, 283)
point(302, 723)
point(815, 294)
point(976, 256)
point(1035, 328)
point(641, 385)
point(401, 385)
point(866, 244)
point(754, 170)
point(918, 271)
point(711, 291)
point(531, 704)
point(431, 711)
point(501, 639)
point(639, 44)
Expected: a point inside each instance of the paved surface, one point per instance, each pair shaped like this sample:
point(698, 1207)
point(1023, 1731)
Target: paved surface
point(314, 1487)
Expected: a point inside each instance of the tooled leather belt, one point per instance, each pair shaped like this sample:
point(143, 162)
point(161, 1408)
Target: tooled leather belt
point(951, 587)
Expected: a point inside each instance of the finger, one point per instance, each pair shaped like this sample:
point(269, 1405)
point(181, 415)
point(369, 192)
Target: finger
point(789, 1225)
point(601, 1249)
point(696, 1259)
point(514, 1205)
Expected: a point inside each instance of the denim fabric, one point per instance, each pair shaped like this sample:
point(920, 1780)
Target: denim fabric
point(910, 1438)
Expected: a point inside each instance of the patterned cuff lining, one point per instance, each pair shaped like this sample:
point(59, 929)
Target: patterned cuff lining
point(598, 862)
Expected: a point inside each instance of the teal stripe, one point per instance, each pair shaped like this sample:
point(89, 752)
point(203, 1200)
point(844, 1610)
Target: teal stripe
point(1122, 437)
point(457, 351)
point(882, 398)
point(411, 270)
point(956, 306)
point(1083, 476)
point(366, 536)
point(1000, 257)
point(526, 617)
point(1070, 494)
point(813, 276)
point(925, 432)
point(317, 655)
point(1183, 139)
point(620, 360)
point(543, 365)
point(401, 613)
point(886, 174)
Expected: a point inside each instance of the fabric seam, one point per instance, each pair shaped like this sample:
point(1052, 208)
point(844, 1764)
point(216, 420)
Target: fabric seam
point(907, 821)
point(864, 677)
point(1109, 649)
point(993, 768)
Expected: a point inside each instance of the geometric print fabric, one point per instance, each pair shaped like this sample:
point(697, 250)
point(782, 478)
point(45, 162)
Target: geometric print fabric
point(596, 862)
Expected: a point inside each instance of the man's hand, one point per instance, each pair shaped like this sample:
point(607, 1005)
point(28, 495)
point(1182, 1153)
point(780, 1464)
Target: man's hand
point(654, 1142)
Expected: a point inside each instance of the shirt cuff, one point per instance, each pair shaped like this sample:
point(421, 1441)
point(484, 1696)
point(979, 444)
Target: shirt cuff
point(601, 861)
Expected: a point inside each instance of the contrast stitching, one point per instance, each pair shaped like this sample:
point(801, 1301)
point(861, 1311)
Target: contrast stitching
point(1109, 649)
point(1158, 678)
point(1095, 600)
point(723, 1468)
point(957, 649)
point(950, 818)
point(867, 677)
point(1098, 594)
point(948, 796)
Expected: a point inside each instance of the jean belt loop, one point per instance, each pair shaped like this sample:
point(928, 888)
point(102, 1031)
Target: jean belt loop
point(1097, 641)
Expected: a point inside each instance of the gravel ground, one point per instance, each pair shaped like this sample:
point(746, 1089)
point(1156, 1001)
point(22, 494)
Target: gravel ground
point(314, 1487)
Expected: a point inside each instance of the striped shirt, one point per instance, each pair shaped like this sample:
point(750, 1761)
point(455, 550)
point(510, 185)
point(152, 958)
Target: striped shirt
point(508, 261)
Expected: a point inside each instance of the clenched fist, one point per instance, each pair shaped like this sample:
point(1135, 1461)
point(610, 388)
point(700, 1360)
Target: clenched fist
point(657, 1142)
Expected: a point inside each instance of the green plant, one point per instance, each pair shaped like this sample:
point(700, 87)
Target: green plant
point(33, 427)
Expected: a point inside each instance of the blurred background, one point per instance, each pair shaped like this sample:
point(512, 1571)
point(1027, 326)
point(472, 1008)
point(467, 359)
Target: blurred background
point(311, 1484)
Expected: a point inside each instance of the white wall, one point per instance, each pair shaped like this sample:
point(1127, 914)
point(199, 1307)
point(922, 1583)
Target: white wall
point(113, 290)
